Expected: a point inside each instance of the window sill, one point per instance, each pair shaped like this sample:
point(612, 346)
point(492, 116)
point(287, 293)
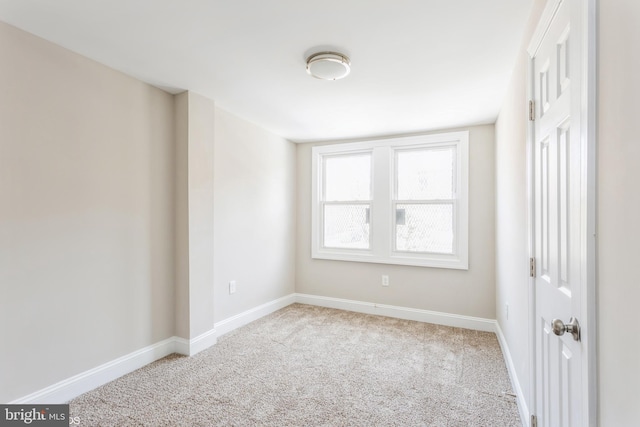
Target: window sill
point(432, 260)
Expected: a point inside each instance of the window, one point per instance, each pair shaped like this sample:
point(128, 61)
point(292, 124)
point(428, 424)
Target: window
point(394, 201)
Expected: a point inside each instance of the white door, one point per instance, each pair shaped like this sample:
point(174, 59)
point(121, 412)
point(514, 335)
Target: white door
point(558, 216)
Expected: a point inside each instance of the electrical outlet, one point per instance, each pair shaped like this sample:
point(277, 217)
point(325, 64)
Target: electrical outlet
point(232, 287)
point(385, 280)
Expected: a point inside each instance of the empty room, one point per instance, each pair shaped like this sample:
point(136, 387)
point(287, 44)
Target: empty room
point(337, 213)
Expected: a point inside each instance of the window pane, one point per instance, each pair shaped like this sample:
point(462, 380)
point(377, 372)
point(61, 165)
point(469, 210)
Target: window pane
point(347, 177)
point(424, 228)
point(346, 226)
point(425, 174)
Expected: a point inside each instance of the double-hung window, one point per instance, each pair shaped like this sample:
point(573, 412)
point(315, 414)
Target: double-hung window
point(395, 201)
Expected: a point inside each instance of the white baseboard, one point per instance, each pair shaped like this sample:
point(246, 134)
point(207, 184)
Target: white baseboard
point(227, 325)
point(439, 318)
point(69, 388)
point(72, 387)
point(202, 342)
point(195, 345)
point(182, 346)
point(515, 383)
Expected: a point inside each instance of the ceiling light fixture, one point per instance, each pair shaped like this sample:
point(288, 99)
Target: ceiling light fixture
point(328, 65)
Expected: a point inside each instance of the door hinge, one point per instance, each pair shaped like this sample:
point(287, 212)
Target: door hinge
point(532, 267)
point(532, 111)
point(534, 421)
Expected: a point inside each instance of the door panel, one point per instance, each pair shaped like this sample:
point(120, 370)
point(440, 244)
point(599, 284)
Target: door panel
point(557, 219)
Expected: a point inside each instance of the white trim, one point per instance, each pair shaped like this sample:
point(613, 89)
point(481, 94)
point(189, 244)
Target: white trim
point(227, 325)
point(547, 16)
point(590, 102)
point(427, 316)
point(513, 375)
point(201, 342)
point(589, 122)
point(66, 390)
point(531, 399)
point(181, 346)
point(195, 345)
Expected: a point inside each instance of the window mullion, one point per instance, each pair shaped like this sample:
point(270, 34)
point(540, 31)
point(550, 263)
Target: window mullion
point(381, 219)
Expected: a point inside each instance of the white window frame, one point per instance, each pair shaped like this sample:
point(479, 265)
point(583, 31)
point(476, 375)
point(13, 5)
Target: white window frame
point(382, 218)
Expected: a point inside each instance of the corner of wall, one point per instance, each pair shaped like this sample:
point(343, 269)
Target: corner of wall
point(194, 139)
point(181, 226)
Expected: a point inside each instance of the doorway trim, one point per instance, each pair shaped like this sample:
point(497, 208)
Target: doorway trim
point(588, 93)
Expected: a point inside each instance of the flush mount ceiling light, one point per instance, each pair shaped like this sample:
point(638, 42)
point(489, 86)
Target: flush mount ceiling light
point(328, 65)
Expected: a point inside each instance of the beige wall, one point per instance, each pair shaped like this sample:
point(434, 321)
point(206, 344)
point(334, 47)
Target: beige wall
point(512, 251)
point(107, 209)
point(469, 293)
point(618, 211)
point(86, 214)
point(201, 196)
point(254, 215)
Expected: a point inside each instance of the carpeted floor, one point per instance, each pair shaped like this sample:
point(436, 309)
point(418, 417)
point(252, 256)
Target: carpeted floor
point(313, 366)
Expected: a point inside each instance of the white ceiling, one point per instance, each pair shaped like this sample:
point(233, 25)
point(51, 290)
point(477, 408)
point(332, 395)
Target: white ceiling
point(417, 65)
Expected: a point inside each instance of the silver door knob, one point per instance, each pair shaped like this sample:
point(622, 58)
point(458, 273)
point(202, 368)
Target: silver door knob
point(573, 327)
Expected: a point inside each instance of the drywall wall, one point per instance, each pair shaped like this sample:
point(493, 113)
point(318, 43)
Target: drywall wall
point(86, 214)
point(512, 250)
point(254, 215)
point(181, 284)
point(195, 118)
point(618, 211)
point(469, 293)
point(201, 194)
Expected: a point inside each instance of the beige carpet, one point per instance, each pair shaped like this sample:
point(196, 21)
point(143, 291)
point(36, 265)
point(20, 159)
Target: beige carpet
point(312, 366)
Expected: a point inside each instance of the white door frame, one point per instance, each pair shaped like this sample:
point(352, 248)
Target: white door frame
point(588, 206)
